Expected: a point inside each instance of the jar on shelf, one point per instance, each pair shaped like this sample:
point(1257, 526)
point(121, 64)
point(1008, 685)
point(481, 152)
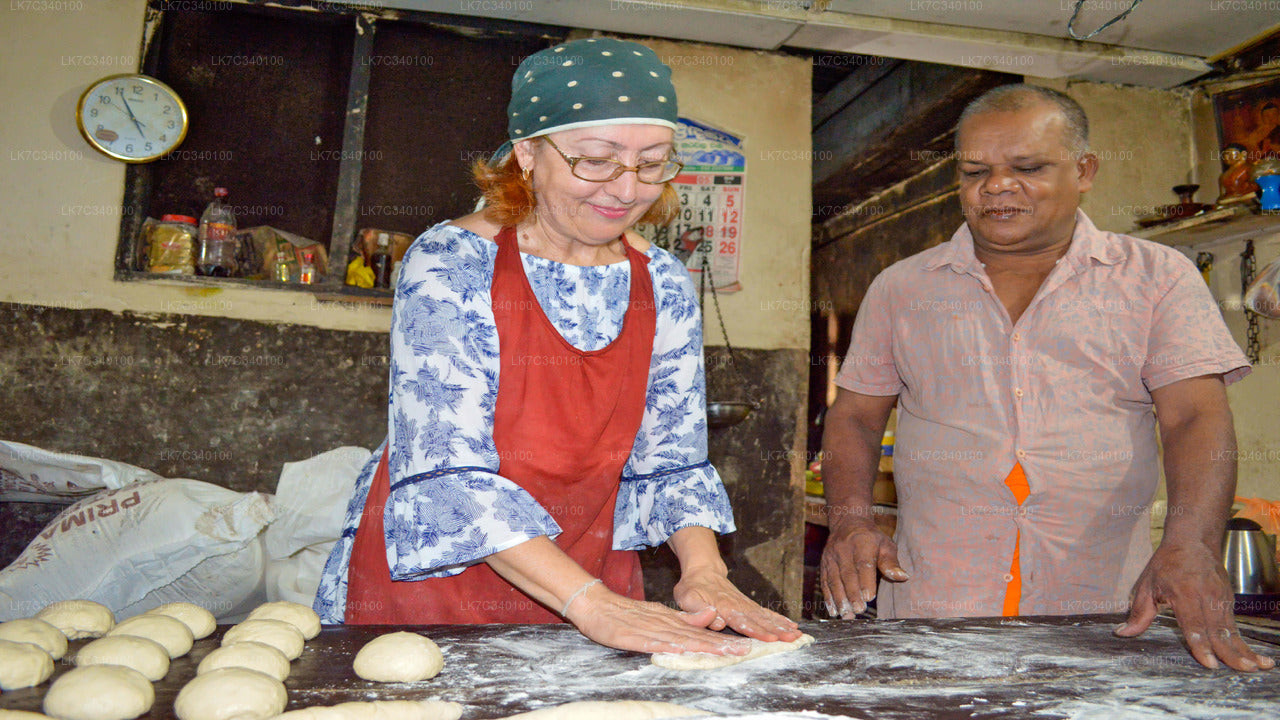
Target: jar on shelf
point(171, 245)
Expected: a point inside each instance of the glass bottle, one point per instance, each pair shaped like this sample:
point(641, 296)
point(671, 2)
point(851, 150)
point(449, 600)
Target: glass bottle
point(381, 262)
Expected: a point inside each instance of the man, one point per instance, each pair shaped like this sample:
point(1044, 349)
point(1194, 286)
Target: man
point(1026, 356)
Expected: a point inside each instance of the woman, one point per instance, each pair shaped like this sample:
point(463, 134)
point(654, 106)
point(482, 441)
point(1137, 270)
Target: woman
point(547, 382)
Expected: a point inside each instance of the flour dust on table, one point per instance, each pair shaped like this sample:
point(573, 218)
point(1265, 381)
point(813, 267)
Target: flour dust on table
point(707, 661)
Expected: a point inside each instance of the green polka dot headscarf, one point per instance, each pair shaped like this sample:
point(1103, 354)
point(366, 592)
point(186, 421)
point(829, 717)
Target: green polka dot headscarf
point(585, 83)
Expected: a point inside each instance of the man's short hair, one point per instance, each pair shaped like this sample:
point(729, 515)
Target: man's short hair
point(1019, 96)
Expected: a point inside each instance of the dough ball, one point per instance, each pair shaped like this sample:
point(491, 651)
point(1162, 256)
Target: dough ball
point(379, 710)
point(247, 654)
point(299, 616)
point(171, 633)
point(23, 665)
point(142, 654)
point(613, 710)
point(79, 619)
point(707, 661)
point(198, 620)
point(99, 692)
point(229, 693)
point(276, 633)
point(36, 632)
point(398, 657)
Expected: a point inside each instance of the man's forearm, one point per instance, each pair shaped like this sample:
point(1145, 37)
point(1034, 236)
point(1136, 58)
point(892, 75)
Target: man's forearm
point(851, 458)
point(1200, 474)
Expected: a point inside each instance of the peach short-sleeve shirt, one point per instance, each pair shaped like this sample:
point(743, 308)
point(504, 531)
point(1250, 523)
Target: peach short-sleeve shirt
point(1066, 392)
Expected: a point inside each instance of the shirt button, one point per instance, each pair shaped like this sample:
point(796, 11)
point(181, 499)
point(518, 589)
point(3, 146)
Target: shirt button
point(1022, 512)
point(1017, 337)
point(1017, 392)
point(1008, 577)
point(1021, 453)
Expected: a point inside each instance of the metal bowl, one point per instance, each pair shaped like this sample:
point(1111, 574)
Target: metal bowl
point(724, 414)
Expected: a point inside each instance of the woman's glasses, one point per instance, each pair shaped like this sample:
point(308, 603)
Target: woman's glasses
point(597, 169)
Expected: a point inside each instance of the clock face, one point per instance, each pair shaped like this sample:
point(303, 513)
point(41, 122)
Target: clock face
point(133, 118)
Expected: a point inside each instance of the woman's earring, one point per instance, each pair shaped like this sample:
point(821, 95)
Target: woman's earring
point(526, 174)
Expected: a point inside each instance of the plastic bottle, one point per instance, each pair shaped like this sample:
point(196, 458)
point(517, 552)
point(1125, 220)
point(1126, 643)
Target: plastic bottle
point(218, 238)
point(307, 271)
point(380, 261)
point(282, 264)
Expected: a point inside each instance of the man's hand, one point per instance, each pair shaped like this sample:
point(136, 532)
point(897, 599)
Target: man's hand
point(855, 550)
point(700, 589)
point(1186, 571)
point(1191, 580)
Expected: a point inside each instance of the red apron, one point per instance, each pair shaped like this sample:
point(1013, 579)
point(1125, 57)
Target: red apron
point(564, 425)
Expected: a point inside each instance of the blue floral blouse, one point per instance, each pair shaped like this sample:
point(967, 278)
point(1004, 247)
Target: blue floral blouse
point(449, 506)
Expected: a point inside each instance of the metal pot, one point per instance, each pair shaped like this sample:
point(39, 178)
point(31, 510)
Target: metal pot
point(1250, 557)
point(724, 414)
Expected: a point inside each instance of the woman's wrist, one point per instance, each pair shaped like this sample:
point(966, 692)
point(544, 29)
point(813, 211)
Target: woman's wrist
point(696, 549)
point(564, 612)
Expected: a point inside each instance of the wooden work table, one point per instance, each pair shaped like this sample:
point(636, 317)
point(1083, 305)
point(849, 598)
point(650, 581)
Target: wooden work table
point(982, 667)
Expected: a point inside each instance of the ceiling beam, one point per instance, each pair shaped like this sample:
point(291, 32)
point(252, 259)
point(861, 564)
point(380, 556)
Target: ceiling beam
point(850, 88)
point(860, 149)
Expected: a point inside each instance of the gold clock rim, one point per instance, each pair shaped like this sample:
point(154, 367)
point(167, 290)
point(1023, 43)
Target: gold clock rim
point(93, 143)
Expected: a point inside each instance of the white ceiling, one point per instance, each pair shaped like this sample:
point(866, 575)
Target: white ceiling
point(1203, 28)
point(1162, 43)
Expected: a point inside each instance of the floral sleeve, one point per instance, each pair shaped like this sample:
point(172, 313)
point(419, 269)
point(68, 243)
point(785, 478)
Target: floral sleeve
point(668, 483)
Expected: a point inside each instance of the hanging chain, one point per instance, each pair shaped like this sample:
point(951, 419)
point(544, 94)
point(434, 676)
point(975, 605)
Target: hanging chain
point(1248, 268)
point(715, 298)
point(1071, 30)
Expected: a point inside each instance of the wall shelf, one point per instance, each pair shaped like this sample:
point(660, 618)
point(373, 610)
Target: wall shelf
point(1223, 225)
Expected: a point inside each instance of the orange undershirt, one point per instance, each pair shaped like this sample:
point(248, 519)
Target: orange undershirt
point(1017, 482)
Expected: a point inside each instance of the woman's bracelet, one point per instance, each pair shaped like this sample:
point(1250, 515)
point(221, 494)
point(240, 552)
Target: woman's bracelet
point(574, 596)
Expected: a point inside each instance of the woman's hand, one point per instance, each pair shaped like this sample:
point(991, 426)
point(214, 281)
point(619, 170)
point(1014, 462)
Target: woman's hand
point(620, 622)
point(543, 572)
point(702, 589)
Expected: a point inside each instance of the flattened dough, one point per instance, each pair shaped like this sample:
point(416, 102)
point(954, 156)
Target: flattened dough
point(198, 620)
point(21, 715)
point(142, 654)
point(707, 661)
point(299, 616)
point(36, 632)
point(276, 633)
point(379, 710)
point(23, 665)
point(229, 693)
point(99, 692)
point(79, 619)
point(398, 657)
point(247, 654)
point(172, 634)
point(613, 710)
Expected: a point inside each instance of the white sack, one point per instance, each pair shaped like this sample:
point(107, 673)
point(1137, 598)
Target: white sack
point(142, 545)
point(29, 474)
point(311, 504)
point(311, 500)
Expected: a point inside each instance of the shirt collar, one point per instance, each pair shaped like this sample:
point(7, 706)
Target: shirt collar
point(1087, 243)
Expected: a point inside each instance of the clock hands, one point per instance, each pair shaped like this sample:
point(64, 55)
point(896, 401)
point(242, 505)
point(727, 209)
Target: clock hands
point(132, 117)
